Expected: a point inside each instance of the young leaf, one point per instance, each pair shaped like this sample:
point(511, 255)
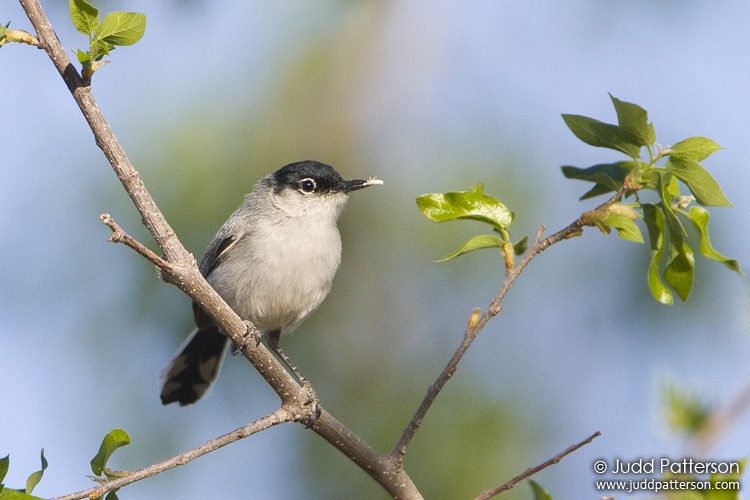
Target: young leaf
point(83, 57)
point(35, 477)
point(473, 205)
point(4, 465)
point(609, 175)
point(699, 217)
point(680, 271)
point(122, 28)
point(521, 245)
point(538, 491)
point(694, 149)
point(654, 220)
point(600, 134)
point(666, 186)
point(702, 184)
point(113, 440)
point(475, 243)
point(633, 122)
point(85, 16)
point(626, 228)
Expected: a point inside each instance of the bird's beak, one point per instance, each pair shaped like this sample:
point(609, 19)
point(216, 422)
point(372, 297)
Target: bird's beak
point(355, 184)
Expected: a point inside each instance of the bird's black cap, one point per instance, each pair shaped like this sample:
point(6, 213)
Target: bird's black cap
point(325, 179)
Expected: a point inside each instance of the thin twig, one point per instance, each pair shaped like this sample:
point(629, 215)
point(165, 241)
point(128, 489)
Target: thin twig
point(120, 236)
point(533, 470)
point(280, 416)
point(186, 275)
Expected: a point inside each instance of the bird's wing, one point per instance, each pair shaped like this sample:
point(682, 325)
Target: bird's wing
point(216, 249)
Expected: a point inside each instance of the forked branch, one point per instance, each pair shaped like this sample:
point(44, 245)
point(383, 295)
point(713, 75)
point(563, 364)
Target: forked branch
point(476, 325)
point(179, 268)
point(280, 416)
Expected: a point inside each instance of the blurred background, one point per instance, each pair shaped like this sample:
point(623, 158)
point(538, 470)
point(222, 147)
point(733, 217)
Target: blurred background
point(428, 96)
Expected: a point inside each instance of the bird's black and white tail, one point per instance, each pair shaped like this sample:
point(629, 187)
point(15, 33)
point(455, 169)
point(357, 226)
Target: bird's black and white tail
point(190, 374)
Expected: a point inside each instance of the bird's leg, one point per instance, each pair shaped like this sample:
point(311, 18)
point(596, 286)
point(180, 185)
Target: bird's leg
point(273, 343)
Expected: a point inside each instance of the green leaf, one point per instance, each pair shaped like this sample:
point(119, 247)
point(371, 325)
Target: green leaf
point(35, 477)
point(607, 176)
point(4, 465)
point(476, 243)
point(113, 440)
point(521, 245)
point(112, 495)
point(597, 190)
point(99, 49)
point(667, 187)
point(626, 228)
point(11, 494)
point(85, 16)
point(694, 149)
point(474, 205)
point(699, 217)
point(83, 57)
point(680, 271)
point(654, 220)
point(600, 134)
point(538, 491)
point(122, 28)
point(702, 184)
point(633, 122)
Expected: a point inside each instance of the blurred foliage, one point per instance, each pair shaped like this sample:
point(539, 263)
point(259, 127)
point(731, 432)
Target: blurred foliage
point(686, 411)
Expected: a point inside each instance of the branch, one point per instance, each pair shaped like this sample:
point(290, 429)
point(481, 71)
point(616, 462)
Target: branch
point(180, 269)
point(476, 324)
point(533, 470)
point(280, 416)
point(120, 236)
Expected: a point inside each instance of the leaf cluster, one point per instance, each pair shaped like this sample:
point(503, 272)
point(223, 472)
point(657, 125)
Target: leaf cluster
point(111, 442)
point(31, 481)
point(473, 205)
point(116, 29)
point(672, 263)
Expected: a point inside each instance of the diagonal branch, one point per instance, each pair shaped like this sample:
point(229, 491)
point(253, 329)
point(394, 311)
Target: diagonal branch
point(533, 470)
point(179, 268)
point(280, 416)
point(476, 324)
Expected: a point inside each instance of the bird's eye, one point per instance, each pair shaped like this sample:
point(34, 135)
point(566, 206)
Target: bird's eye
point(307, 185)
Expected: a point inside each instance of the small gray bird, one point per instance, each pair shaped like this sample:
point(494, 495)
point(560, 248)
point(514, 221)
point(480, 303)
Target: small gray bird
point(273, 262)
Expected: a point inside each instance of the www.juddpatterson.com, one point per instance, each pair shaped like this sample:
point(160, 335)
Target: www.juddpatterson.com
point(664, 466)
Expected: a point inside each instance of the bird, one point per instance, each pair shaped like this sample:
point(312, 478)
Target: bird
point(273, 262)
